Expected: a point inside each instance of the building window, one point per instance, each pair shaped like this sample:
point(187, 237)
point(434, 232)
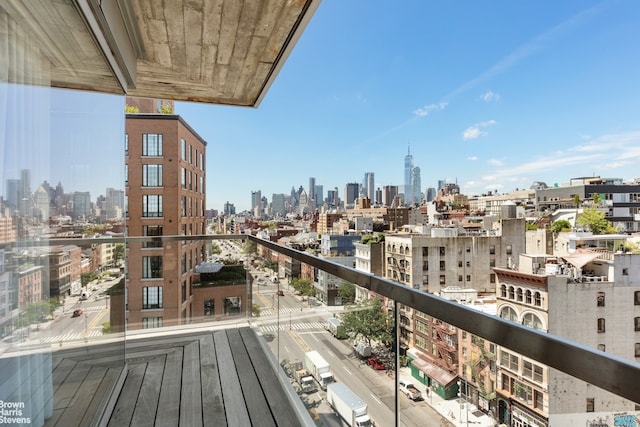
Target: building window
point(527, 297)
point(183, 290)
point(602, 347)
point(154, 231)
point(636, 324)
point(425, 251)
point(492, 250)
point(442, 251)
point(152, 144)
point(152, 175)
point(183, 177)
point(232, 306)
point(460, 278)
point(442, 266)
point(519, 295)
point(183, 206)
point(209, 306)
point(537, 299)
point(531, 320)
point(492, 263)
point(509, 250)
point(184, 263)
point(625, 271)
point(600, 299)
point(460, 264)
point(637, 349)
point(152, 267)
point(512, 292)
point(152, 205)
point(468, 277)
point(601, 325)
point(492, 278)
point(151, 322)
point(503, 291)
point(508, 313)
point(183, 149)
point(591, 403)
point(442, 279)
point(151, 297)
point(636, 298)
point(425, 265)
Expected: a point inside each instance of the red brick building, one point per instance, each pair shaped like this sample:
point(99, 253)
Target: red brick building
point(165, 188)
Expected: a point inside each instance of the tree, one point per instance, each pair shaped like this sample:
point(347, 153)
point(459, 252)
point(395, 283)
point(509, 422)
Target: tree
point(367, 320)
point(370, 238)
point(118, 252)
point(560, 225)
point(166, 109)
point(131, 109)
point(215, 248)
point(86, 278)
point(594, 220)
point(347, 292)
point(255, 310)
point(303, 287)
point(250, 247)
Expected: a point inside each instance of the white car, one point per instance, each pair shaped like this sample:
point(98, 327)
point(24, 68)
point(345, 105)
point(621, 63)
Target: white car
point(409, 389)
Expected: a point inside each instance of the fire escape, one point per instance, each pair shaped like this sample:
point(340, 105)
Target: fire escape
point(446, 346)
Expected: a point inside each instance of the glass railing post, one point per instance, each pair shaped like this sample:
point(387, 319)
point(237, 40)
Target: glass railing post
point(396, 355)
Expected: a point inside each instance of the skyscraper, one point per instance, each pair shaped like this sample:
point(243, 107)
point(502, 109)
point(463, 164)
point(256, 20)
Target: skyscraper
point(312, 189)
point(416, 185)
point(369, 184)
point(408, 177)
point(351, 192)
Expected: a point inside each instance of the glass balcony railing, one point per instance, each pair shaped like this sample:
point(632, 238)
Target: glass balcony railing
point(467, 366)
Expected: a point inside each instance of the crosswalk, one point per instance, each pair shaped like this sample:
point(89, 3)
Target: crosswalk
point(71, 336)
point(286, 310)
point(297, 326)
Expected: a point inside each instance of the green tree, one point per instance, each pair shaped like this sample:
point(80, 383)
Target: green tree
point(368, 321)
point(255, 310)
point(594, 220)
point(86, 278)
point(215, 248)
point(596, 199)
point(370, 238)
point(166, 109)
point(347, 292)
point(37, 311)
point(250, 247)
point(106, 328)
point(131, 109)
point(118, 252)
point(303, 287)
point(560, 225)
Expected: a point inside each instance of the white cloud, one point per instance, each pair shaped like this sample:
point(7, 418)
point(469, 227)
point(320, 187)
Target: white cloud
point(496, 162)
point(476, 131)
point(490, 96)
point(472, 158)
point(424, 111)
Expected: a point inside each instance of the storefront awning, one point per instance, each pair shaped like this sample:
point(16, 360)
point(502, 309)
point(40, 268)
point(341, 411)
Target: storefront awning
point(434, 372)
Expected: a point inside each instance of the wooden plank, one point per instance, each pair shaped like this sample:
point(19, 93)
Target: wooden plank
point(212, 401)
point(281, 407)
point(123, 411)
point(234, 405)
point(168, 412)
point(67, 387)
point(144, 413)
point(191, 395)
point(254, 395)
point(85, 392)
point(96, 407)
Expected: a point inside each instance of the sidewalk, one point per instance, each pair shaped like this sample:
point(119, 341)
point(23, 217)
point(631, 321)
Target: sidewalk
point(451, 409)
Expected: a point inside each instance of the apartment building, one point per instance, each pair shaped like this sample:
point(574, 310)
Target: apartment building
point(165, 188)
point(587, 296)
point(619, 200)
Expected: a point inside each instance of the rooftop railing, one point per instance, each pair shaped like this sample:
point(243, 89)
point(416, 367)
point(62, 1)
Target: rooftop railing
point(598, 368)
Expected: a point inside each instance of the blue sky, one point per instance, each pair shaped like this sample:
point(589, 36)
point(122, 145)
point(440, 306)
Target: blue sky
point(491, 94)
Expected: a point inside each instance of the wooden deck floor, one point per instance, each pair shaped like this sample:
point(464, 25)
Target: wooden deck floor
point(220, 378)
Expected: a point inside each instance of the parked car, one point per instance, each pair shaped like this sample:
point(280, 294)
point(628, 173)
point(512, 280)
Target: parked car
point(280, 293)
point(77, 313)
point(376, 363)
point(409, 389)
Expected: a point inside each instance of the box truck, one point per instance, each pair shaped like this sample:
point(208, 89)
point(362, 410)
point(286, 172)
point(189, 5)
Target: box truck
point(348, 405)
point(319, 368)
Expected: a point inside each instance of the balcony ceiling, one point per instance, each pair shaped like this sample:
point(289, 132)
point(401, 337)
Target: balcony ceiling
point(213, 51)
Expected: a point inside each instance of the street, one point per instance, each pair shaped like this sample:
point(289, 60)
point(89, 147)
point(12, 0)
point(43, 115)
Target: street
point(292, 328)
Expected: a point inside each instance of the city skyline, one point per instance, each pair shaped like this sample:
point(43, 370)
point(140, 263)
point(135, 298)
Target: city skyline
point(543, 99)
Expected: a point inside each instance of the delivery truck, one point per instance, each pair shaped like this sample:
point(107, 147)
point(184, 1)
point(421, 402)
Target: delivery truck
point(305, 381)
point(319, 368)
point(348, 405)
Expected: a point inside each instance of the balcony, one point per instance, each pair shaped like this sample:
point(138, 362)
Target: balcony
point(219, 368)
